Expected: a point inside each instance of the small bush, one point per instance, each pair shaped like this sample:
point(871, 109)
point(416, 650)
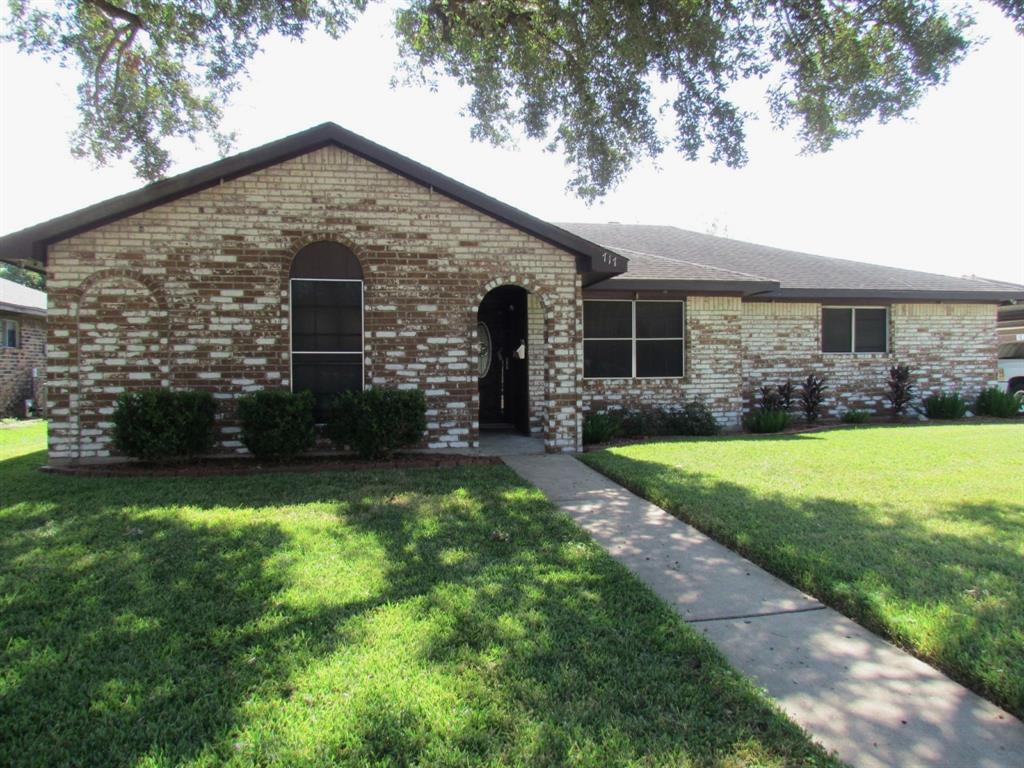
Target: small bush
point(996, 402)
point(159, 424)
point(899, 389)
point(276, 424)
point(812, 394)
point(853, 416)
point(945, 406)
point(764, 420)
point(600, 427)
point(644, 422)
point(377, 422)
point(694, 418)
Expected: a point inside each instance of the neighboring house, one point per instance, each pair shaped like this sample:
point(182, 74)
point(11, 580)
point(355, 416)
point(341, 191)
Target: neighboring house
point(1011, 347)
point(324, 261)
point(22, 349)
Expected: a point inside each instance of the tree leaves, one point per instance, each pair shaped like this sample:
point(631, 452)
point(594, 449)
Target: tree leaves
point(587, 77)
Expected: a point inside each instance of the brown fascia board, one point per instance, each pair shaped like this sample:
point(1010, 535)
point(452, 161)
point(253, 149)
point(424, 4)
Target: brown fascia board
point(18, 309)
point(691, 287)
point(867, 294)
point(27, 247)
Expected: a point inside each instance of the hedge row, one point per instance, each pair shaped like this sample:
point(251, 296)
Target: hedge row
point(161, 425)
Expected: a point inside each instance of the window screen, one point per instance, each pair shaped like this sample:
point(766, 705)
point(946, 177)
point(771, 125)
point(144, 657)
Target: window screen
point(632, 339)
point(659, 319)
point(659, 338)
point(836, 330)
point(327, 316)
point(854, 329)
point(659, 358)
point(10, 333)
point(607, 359)
point(327, 338)
point(607, 319)
point(870, 330)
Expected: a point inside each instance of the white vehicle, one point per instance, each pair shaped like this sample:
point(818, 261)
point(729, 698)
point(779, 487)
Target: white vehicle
point(1011, 366)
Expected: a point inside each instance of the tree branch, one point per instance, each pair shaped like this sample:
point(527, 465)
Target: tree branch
point(109, 9)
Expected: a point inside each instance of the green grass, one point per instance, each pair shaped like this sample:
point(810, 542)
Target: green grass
point(916, 532)
point(385, 618)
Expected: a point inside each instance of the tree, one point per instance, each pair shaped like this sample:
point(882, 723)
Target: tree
point(581, 75)
point(24, 276)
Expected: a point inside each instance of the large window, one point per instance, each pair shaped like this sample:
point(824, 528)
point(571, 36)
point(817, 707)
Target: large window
point(854, 329)
point(626, 339)
point(326, 322)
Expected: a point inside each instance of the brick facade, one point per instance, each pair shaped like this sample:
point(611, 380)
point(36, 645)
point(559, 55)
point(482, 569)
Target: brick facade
point(948, 346)
point(734, 346)
point(711, 372)
point(194, 294)
point(17, 364)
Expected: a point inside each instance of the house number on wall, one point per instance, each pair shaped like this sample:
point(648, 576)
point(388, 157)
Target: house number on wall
point(609, 260)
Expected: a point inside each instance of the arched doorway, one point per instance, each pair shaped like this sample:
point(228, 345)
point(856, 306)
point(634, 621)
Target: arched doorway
point(503, 367)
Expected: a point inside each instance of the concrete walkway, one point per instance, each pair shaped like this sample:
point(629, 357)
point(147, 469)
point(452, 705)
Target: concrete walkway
point(875, 705)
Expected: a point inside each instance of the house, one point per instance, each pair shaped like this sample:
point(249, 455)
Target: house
point(324, 261)
point(22, 349)
point(1011, 347)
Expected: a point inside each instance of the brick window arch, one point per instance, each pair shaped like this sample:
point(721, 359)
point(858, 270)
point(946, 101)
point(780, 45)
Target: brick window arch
point(326, 311)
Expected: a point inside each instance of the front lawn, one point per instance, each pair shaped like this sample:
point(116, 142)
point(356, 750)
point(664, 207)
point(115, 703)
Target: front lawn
point(385, 618)
point(916, 532)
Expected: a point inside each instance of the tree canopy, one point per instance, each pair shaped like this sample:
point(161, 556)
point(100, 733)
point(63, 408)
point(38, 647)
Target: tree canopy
point(588, 77)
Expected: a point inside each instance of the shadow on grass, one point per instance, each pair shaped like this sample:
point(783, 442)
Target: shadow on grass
point(132, 633)
point(954, 599)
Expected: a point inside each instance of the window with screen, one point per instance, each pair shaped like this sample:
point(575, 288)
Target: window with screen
point(326, 322)
point(854, 329)
point(8, 333)
point(627, 339)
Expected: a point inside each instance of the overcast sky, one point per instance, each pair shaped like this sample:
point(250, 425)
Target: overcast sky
point(943, 192)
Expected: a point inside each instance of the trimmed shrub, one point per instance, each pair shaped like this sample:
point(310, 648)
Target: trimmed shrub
point(853, 416)
point(601, 426)
point(644, 422)
point(160, 424)
point(276, 424)
point(694, 418)
point(764, 420)
point(812, 394)
point(945, 406)
point(995, 402)
point(377, 422)
point(899, 389)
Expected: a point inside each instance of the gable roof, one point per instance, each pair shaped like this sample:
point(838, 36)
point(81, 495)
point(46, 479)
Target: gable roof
point(15, 297)
point(797, 275)
point(28, 246)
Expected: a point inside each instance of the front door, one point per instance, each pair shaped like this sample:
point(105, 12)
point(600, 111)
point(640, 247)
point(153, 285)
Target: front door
point(504, 365)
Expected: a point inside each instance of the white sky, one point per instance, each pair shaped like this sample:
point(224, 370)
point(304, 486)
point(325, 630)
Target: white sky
point(943, 192)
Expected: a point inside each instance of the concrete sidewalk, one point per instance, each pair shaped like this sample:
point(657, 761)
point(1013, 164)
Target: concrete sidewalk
point(855, 693)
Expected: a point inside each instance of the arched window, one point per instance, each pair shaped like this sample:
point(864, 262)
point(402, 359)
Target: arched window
point(326, 322)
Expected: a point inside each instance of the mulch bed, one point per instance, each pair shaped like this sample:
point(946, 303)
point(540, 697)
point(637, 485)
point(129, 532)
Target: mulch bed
point(825, 425)
point(248, 466)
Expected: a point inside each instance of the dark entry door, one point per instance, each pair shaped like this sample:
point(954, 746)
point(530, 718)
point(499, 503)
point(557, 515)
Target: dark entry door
point(504, 389)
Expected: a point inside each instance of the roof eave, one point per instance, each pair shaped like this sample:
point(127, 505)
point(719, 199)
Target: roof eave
point(815, 294)
point(20, 309)
point(693, 286)
point(27, 247)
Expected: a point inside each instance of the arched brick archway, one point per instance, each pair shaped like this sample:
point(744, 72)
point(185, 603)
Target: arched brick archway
point(538, 350)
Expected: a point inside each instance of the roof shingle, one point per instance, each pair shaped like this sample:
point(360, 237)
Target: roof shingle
point(798, 274)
